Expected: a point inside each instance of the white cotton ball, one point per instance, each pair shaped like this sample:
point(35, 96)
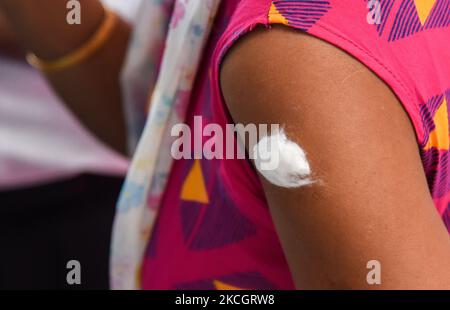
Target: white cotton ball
point(281, 161)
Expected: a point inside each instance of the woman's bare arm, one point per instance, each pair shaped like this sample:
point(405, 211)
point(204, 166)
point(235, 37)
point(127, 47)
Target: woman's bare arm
point(91, 90)
point(371, 201)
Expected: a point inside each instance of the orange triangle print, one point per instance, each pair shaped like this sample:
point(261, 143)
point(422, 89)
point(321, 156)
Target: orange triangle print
point(194, 188)
point(275, 17)
point(424, 8)
point(220, 286)
point(439, 137)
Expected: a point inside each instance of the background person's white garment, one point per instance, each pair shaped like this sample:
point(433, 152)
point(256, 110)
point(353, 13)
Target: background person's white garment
point(127, 8)
point(40, 140)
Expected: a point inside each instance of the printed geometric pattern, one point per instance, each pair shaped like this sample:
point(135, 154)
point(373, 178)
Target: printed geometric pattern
point(221, 286)
point(424, 9)
point(210, 223)
point(385, 11)
point(439, 136)
point(301, 14)
point(435, 164)
point(414, 16)
point(194, 188)
point(237, 281)
point(435, 147)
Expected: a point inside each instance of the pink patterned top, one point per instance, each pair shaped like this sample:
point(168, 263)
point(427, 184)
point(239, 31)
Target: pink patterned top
point(214, 229)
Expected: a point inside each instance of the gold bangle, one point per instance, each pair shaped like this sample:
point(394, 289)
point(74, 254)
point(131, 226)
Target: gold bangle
point(82, 53)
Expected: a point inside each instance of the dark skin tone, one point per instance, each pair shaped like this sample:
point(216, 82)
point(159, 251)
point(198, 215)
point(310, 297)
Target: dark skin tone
point(9, 46)
point(371, 200)
point(92, 89)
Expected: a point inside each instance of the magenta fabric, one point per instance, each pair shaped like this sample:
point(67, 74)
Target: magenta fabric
point(214, 229)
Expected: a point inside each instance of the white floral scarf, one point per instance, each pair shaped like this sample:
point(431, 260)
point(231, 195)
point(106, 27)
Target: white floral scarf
point(182, 42)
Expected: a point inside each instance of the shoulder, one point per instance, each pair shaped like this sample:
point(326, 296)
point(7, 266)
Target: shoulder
point(286, 76)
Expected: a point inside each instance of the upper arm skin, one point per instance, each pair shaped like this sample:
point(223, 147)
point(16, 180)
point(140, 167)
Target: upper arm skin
point(371, 201)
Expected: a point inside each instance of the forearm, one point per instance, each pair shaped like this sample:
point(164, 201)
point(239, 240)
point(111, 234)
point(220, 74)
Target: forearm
point(90, 89)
